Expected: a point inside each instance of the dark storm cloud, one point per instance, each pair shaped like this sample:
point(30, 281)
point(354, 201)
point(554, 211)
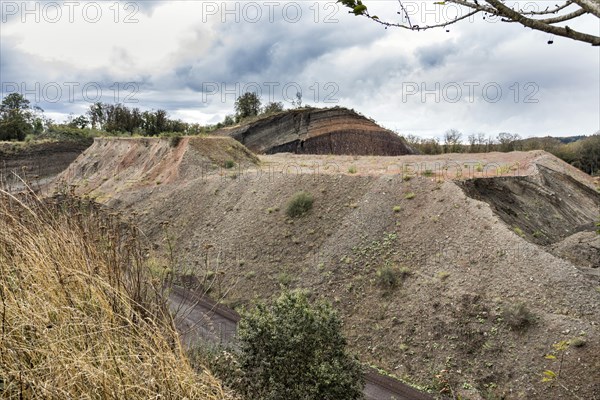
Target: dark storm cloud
point(278, 51)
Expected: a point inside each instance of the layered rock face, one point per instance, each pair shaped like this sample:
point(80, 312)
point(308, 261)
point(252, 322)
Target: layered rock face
point(318, 131)
point(37, 163)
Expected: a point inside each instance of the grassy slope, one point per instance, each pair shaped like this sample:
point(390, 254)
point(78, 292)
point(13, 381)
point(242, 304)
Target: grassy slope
point(75, 324)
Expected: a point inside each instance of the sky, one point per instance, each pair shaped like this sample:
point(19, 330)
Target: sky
point(193, 58)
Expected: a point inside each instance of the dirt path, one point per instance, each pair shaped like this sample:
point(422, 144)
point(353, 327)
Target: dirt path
point(200, 318)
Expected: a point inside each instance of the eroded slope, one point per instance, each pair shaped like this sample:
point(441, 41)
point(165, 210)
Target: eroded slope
point(458, 266)
point(545, 207)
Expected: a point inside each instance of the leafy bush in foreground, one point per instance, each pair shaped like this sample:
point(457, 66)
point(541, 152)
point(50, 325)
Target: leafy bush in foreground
point(295, 350)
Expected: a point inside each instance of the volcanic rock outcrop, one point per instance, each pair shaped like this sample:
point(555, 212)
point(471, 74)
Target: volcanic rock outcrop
point(318, 131)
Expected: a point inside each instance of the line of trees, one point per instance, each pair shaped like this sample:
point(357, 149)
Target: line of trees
point(119, 118)
point(582, 152)
point(249, 106)
point(18, 119)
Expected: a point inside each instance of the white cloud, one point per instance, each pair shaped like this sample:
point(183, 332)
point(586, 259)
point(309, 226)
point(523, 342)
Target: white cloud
point(177, 46)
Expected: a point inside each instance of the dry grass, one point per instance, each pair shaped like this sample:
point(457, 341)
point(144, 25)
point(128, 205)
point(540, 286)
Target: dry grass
point(80, 315)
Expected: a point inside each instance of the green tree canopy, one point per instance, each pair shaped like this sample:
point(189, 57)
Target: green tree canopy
point(15, 117)
point(247, 105)
point(273, 107)
point(295, 350)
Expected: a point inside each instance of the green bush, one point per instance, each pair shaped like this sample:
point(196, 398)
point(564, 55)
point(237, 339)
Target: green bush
point(229, 164)
point(295, 350)
point(300, 204)
point(65, 132)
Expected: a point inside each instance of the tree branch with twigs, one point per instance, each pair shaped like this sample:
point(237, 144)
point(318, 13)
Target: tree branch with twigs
point(545, 20)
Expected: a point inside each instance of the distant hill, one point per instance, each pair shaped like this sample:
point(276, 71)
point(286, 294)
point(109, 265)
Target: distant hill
point(318, 131)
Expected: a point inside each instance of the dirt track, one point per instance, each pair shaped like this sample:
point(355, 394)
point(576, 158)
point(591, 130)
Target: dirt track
point(200, 318)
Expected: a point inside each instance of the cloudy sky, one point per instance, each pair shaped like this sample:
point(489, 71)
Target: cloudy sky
point(193, 58)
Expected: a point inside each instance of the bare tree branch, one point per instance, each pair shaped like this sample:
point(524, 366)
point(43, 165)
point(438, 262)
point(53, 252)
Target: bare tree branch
point(591, 6)
point(549, 10)
point(563, 18)
point(506, 13)
point(540, 26)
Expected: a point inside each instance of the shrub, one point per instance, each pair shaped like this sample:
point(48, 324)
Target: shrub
point(517, 316)
point(229, 164)
point(352, 169)
point(295, 350)
point(175, 140)
point(387, 277)
point(410, 196)
point(299, 205)
point(428, 173)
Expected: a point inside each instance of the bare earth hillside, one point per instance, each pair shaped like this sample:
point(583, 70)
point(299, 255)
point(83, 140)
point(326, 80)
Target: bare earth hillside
point(318, 131)
point(465, 237)
point(39, 162)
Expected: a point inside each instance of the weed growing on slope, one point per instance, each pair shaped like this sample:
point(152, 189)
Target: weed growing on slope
point(299, 204)
point(518, 317)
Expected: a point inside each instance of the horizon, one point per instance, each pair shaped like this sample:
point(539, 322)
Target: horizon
point(193, 59)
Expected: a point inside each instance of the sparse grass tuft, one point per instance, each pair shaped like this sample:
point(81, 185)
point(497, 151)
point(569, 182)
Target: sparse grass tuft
point(352, 169)
point(519, 231)
point(299, 205)
point(518, 317)
point(229, 164)
point(389, 276)
point(285, 279)
point(410, 196)
point(428, 173)
point(397, 209)
point(443, 275)
point(386, 277)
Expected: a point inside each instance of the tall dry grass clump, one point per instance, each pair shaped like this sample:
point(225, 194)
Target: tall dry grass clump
point(81, 316)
